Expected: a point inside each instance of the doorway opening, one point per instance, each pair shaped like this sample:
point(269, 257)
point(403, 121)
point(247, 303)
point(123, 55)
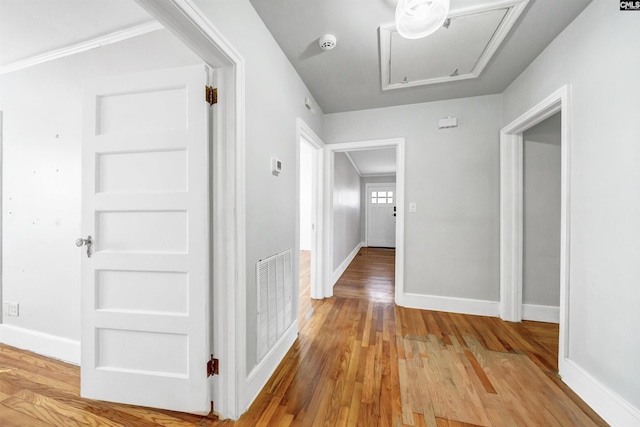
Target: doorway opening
point(310, 172)
point(513, 307)
point(338, 196)
point(307, 229)
point(541, 221)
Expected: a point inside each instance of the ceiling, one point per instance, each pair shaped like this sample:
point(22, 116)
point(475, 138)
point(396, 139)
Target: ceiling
point(343, 79)
point(33, 27)
point(378, 161)
point(347, 78)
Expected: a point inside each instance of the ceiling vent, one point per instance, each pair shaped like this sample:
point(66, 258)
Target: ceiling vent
point(459, 50)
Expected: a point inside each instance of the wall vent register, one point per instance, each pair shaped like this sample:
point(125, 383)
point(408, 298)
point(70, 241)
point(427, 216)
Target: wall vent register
point(275, 300)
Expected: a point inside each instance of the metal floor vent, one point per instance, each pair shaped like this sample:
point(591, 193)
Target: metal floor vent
point(275, 300)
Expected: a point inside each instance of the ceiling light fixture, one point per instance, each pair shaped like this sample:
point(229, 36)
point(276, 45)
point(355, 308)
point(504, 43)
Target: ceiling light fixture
point(419, 18)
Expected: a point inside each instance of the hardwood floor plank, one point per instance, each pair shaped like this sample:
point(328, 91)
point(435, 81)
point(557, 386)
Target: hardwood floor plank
point(305, 303)
point(133, 415)
point(352, 370)
point(11, 384)
point(41, 379)
point(67, 411)
point(480, 373)
point(267, 414)
point(40, 413)
point(12, 418)
point(48, 367)
point(356, 401)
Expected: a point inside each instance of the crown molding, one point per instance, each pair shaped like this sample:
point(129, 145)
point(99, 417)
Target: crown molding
point(95, 43)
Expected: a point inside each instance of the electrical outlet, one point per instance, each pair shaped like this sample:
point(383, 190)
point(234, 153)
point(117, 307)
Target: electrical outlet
point(12, 309)
point(413, 207)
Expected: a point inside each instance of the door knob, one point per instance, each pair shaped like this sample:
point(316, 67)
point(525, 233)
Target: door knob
point(80, 241)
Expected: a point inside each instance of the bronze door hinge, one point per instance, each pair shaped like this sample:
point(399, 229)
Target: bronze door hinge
point(211, 95)
point(212, 366)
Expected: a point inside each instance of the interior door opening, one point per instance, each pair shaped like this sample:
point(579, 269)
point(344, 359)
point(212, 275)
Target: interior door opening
point(307, 229)
point(393, 150)
point(512, 220)
point(541, 229)
point(311, 169)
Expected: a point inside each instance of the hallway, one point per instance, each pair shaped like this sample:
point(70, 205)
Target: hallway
point(359, 360)
point(371, 276)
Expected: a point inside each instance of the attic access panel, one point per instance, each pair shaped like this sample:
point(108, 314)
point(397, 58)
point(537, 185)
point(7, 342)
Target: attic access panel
point(457, 51)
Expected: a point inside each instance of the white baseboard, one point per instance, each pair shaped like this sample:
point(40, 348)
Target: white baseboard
point(261, 373)
point(541, 313)
point(451, 304)
point(341, 269)
point(609, 405)
point(64, 349)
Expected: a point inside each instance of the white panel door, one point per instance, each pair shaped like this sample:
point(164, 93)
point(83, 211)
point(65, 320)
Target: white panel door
point(381, 218)
point(145, 287)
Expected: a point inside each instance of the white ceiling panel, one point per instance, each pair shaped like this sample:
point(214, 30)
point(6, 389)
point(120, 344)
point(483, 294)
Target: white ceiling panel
point(459, 50)
point(451, 51)
point(379, 161)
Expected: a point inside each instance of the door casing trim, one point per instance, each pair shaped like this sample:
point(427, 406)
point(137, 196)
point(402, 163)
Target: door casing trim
point(303, 131)
point(185, 20)
point(511, 211)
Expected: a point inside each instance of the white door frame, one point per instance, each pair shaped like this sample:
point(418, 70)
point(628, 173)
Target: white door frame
point(329, 153)
point(185, 20)
point(303, 131)
point(366, 207)
point(511, 211)
point(1, 221)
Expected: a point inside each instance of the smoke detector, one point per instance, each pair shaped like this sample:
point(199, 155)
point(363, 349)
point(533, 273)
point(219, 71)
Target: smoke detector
point(327, 42)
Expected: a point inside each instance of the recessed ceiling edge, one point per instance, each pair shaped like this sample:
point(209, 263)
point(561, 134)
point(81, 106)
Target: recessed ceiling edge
point(515, 9)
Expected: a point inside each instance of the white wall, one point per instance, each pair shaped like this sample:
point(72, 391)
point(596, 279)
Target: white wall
point(41, 194)
point(541, 200)
point(306, 193)
point(597, 56)
point(346, 209)
point(452, 241)
point(363, 198)
point(274, 98)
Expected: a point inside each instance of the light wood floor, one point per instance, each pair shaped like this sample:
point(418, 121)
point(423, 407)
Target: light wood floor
point(370, 276)
point(359, 360)
point(305, 303)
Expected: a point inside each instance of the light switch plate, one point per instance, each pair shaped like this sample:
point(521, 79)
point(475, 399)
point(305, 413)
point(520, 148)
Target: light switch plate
point(11, 309)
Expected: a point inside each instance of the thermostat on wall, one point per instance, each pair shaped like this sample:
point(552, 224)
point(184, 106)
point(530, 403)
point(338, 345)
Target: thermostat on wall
point(276, 166)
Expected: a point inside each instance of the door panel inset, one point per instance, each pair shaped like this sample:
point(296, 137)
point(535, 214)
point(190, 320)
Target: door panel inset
point(143, 291)
point(145, 111)
point(157, 353)
point(161, 171)
point(149, 232)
